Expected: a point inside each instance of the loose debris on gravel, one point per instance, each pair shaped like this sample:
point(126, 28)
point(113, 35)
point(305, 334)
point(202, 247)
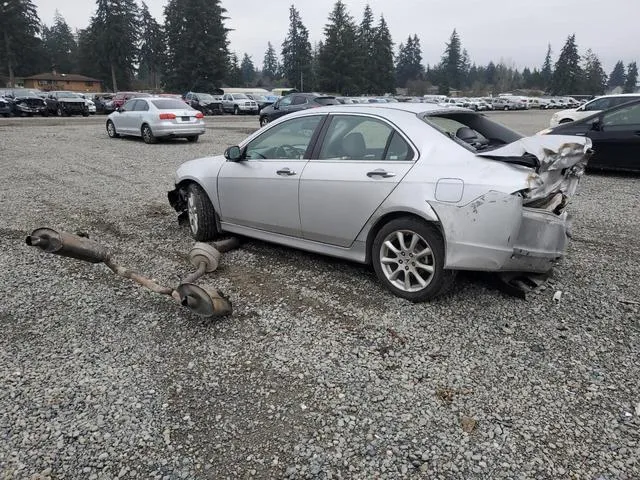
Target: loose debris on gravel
point(320, 373)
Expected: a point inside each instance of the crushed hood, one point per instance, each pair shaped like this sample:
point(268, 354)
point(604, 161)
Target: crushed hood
point(558, 160)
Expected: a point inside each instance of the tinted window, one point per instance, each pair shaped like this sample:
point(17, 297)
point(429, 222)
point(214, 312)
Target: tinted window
point(129, 105)
point(326, 101)
point(597, 105)
point(299, 100)
point(170, 104)
point(623, 117)
point(352, 137)
point(141, 106)
point(620, 100)
point(285, 102)
point(286, 140)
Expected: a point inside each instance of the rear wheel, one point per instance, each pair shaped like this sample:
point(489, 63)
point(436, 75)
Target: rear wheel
point(506, 109)
point(193, 138)
point(111, 130)
point(147, 134)
point(408, 258)
point(202, 216)
point(59, 112)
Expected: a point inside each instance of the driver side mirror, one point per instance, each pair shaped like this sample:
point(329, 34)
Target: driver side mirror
point(120, 110)
point(233, 154)
point(276, 106)
point(596, 125)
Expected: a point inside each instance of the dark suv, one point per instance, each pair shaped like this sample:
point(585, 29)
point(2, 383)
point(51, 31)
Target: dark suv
point(67, 103)
point(23, 102)
point(205, 102)
point(294, 103)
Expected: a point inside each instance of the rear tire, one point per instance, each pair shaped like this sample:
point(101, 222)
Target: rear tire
point(411, 268)
point(147, 135)
point(202, 216)
point(193, 138)
point(264, 121)
point(565, 120)
point(59, 112)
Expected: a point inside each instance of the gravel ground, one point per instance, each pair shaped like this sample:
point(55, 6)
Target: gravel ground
point(320, 373)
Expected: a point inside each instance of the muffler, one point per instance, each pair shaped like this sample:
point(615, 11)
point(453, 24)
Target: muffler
point(205, 302)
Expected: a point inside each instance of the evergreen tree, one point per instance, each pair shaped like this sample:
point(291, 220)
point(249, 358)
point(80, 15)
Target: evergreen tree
point(116, 25)
point(152, 48)
point(88, 57)
point(270, 63)
point(452, 64)
point(60, 45)
point(594, 79)
point(409, 64)
point(367, 54)
point(632, 78)
point(567, 75)
point(19, 27)
point(546, 74)
point(490, 73)
point(617, 77)
point(384, 76)
point(247, 71)
point(296, 52)
point(197, 46)
point(337, 70)
point(234, 72)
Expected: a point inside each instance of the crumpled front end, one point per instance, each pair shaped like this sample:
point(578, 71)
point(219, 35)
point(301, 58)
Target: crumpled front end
point(525, 230)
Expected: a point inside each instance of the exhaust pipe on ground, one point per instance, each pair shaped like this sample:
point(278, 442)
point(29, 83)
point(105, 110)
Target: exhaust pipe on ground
point(205, 302)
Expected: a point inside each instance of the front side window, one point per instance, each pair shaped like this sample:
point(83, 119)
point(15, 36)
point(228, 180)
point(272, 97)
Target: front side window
point(141, 106)
point(127, 107)
point(352, 137)
point(285, 102)
point(597, 105)
point(624, 117)
point(299, 100)
point(287, 140)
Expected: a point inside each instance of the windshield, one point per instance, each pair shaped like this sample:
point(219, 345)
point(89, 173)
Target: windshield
point(258, 98)
point(327, 101)
point(205, 96)
point(67, 95)
point(170, 104)
point(239, 95)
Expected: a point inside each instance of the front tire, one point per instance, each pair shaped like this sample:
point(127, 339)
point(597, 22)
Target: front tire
point(565, 120)
point(147, 135)
point(264, 121)
point(408, 258)
point(111, 130)
point(202, 216)
point(59, 112)
point(236, 110)
point(193, 138)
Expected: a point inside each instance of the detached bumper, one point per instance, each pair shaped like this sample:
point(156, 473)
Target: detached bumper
point(497, 233)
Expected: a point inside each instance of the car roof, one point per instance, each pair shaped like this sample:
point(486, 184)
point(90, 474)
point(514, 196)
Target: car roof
point(382, 108)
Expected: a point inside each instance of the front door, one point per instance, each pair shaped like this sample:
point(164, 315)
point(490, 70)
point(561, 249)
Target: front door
point(360, 162)
point(261, 191)
point(617, 141)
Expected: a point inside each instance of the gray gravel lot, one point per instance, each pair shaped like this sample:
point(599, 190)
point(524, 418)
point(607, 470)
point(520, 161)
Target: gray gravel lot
point(320, 373)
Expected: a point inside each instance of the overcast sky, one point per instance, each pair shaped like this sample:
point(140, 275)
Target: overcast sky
point(516, 31)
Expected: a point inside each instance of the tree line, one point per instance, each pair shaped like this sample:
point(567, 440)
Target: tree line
point(126, 47)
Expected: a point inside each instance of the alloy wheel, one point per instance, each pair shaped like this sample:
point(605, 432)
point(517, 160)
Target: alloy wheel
point(192, 211)
point(407, 260)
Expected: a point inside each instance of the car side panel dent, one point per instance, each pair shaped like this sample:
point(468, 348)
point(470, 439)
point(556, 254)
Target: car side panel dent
point(481, 234)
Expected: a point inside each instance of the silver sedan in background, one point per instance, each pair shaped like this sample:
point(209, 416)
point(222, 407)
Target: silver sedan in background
point(156, 117)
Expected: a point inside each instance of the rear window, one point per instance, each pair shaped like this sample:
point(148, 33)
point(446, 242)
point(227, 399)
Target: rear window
point(327, 101)
point(170, 104)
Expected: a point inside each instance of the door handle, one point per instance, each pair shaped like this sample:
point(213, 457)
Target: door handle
point(285, 172)
point(380, 173)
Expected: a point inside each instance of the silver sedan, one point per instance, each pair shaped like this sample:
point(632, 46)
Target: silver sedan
point(417, 190)
point(156, 117)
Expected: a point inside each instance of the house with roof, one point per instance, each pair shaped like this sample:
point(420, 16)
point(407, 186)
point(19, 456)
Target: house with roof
point(63, 81)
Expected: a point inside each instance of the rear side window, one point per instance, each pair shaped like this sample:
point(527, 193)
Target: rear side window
point(327, 101)
point(351, 137)
point(170, 104)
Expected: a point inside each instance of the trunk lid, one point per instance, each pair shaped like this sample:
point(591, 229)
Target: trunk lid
point(556, 163)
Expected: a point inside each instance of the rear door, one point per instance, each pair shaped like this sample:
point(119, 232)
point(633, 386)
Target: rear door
point(617, 142)
point(360, 161)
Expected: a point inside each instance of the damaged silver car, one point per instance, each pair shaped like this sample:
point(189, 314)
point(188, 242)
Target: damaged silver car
point(417, 190)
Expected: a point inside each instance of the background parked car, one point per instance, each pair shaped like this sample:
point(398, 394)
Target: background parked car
point(25, 102)
point(261, 100)
point(5, 107)
point(120, 98)
point(204, 102)
point(294, 103)
point(594, 106)
point(615, 134)
point(238, 103)
point(155, 117)
point(64, 103)
point(103, 102)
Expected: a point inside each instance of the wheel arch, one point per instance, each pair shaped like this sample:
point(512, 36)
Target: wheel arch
point(178, 197)
point(389, 216)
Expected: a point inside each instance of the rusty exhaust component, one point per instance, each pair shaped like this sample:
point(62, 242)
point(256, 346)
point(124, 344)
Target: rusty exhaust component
point(204, 302)
point(67, 245)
